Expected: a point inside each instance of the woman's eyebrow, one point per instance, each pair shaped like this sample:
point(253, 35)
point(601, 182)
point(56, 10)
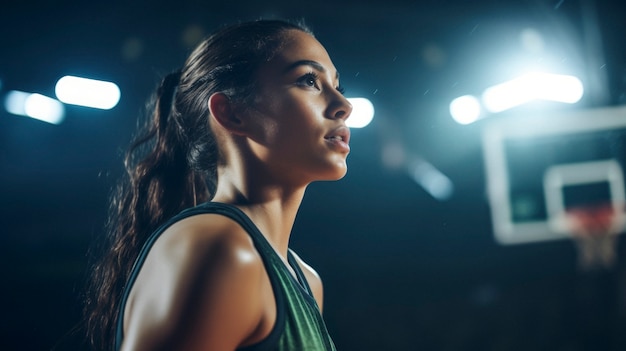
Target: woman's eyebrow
point(314, 64)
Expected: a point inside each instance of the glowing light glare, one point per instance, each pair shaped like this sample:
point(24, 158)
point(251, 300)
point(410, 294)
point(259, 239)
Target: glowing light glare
point(465, 109)
point(87, 92)
point(36, 106)
point(532, 40)
point(15, 101)
point(362, 113)
point(437, 184)
point(533, 86)
point(567, 89)
point(507, 95)
point(44, 109)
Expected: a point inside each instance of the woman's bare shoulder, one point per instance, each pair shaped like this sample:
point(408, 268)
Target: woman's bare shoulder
point(197, 288)
point(202, 232)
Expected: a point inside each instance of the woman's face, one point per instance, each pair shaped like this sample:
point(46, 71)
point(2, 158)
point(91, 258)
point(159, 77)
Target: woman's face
point(299, 114)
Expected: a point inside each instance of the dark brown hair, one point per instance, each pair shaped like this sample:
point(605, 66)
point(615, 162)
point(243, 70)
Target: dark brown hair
point(172, 165)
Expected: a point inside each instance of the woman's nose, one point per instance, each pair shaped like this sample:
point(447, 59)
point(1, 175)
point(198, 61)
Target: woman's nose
point(340, 108)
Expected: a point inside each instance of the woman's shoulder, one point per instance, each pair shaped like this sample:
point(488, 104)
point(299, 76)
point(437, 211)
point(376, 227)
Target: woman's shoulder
point(205, 230)
point(203, 268)
point(196, 239)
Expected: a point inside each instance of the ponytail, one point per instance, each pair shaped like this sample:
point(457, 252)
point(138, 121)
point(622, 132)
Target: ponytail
point(158, 184)
point(161, 183)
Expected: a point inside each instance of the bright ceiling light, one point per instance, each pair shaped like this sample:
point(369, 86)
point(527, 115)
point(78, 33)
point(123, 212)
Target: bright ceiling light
point(362, 113)
point(87, 92)
point(465, 109)
point(560, 88)
point(36, 106)
point(533, 86)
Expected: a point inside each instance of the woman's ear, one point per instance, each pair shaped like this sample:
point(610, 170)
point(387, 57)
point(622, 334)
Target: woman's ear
point(223, 111)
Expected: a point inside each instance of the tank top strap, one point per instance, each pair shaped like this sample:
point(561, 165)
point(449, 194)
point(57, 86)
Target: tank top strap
point(234, 213)
point(260, 241)
point(299, 273)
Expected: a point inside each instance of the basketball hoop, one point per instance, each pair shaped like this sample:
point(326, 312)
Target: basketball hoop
point(594, 230)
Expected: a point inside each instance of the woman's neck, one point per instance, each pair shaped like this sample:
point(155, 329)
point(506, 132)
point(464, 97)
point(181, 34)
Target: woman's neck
point(272, 208)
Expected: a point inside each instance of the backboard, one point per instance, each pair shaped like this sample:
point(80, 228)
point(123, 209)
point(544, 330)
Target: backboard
point(539, 166)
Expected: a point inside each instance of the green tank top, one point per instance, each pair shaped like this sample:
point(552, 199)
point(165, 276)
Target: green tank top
point(299, 325)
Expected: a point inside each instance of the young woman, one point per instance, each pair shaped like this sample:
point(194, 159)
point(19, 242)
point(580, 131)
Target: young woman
point(254, 116)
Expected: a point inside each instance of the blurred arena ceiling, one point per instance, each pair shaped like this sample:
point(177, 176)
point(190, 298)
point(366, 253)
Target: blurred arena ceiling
point(409, 57)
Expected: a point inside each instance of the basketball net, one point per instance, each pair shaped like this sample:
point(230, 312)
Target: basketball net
point(594, 230)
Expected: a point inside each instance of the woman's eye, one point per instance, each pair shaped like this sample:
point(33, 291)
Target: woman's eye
point(309, 80)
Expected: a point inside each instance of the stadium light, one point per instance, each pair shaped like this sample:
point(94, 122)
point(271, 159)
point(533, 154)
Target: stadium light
point(465, 109)
point(362, 113)
point(527, 88)
point(35, 106)
point(87, 92)
point(530, 87)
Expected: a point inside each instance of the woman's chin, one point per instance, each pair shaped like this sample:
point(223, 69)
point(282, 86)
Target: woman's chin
point(338, 172)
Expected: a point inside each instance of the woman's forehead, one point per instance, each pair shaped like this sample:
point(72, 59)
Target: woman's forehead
point(302, 47)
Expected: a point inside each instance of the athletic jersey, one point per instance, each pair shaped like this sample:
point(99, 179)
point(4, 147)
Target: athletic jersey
point(299, 325)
